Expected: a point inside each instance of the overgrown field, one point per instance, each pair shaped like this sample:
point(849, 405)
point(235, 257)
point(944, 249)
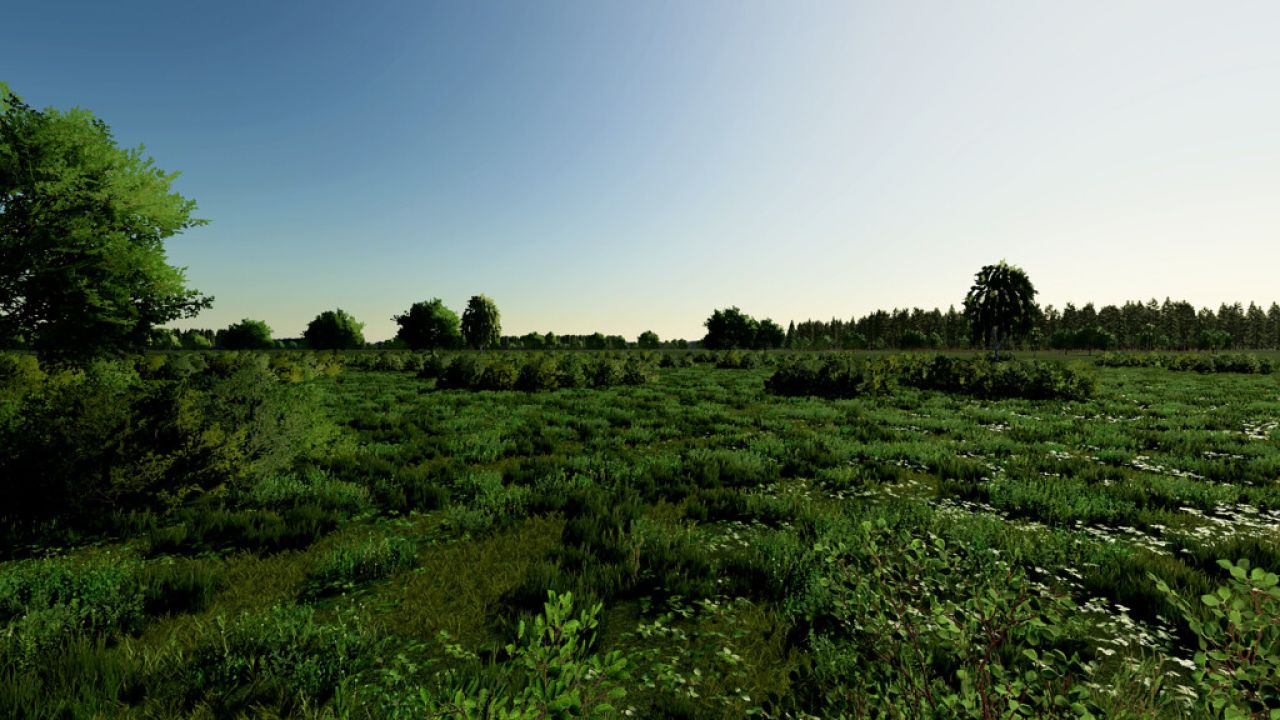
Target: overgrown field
point(303, 539)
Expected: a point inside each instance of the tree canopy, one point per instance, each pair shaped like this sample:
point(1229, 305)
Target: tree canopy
point(429, 325)
point(648, 340)
point(730, 328)
point(770, 335)
point(334, 330)
point(1000, 305)
point(83, 269)
point(246, 335)
point(481, 324)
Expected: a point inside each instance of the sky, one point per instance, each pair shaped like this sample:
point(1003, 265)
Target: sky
point(624, 166)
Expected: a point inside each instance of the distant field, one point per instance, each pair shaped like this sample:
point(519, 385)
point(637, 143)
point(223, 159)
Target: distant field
point(752, 554)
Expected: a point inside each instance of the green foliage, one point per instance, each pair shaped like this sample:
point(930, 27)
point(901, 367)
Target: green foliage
point(357, 561)
point(1089, 338)
point(842, 376)
point(648, 340)
point(429, 325)
point(1201, 363)
point(282, 657)
point(770, 335)
point(283, 491)
point(481, 323)
point(1000, 305)
point(107, 438)
point(934, 638)
point(246, 335)
point(83, 222)
point(1238, 630)
point(552, 673)
point(334, 330)
point(535, 372)
point(720, 529)
point(44, 604)
point(729, 329)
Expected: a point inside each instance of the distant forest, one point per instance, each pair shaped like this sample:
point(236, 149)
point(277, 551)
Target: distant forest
point(1153, 325)
point(1171, 325)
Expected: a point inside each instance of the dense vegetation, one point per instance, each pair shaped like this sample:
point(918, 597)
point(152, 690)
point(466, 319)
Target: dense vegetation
point(366, 543)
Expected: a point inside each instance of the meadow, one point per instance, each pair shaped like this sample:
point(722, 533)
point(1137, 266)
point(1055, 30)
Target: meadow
point(674, 534)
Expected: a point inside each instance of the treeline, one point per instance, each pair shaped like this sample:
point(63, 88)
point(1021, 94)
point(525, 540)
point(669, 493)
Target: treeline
point(1171, 325)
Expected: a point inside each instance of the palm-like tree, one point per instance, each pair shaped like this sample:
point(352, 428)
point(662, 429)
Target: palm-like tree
point(1000, 305)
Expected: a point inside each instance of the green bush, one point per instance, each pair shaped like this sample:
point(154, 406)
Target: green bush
point(1238, 631)
point(108, 438)
point(843, 376)
point(44, 604)
point(1199, 362)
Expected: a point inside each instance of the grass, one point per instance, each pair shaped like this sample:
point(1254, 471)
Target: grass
point(716, 524)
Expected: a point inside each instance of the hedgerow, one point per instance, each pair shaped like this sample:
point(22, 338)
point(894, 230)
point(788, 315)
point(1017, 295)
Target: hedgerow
point(1247, 363)
point(844, 376)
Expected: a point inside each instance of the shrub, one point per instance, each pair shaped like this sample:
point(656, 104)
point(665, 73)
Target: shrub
point(107, 438)
point(840, 376)
point(44, 604)
point(462, 372)
point(1201, 363)
point(1238, 631)
point(538, 373)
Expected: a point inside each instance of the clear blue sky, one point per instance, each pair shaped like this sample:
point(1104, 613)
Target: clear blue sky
point(620, 166)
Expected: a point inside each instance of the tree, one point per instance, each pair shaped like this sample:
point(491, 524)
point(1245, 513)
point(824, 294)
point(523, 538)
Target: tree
point(770, 335)
point(730, 329)
point(83, 270)
point(246, 335)
point(532, 341)
point(334, 330)
point(648, 340)
point(596, 341)
point(429, 325)
point(1000, 305)
point(481, 324)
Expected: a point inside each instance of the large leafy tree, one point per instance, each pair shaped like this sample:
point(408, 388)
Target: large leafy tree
point(83, 270)
point(481, 324)
point(730, 328)
point(1000, 306)
point(334, 330)
point(429, 325)
point(648, 340)
point(246, 335)
point(770, 335)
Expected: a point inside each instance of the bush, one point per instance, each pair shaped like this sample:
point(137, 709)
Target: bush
point(44, 604)
point(108, 438)
point(1238, 631)
point(534, 372)
point(1201, 363)
point(841, 376)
